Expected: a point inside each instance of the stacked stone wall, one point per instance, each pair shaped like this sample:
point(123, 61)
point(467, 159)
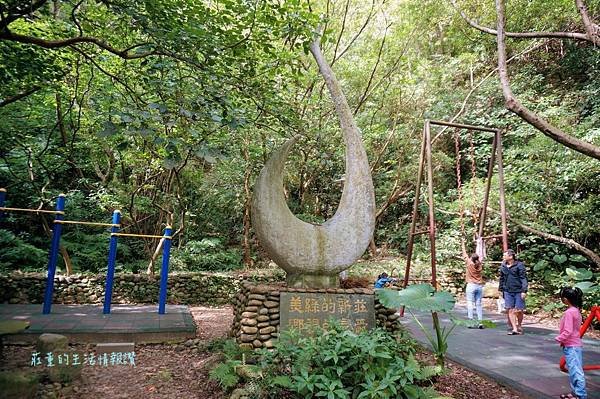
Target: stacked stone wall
point(184, 288)
point(256, 321)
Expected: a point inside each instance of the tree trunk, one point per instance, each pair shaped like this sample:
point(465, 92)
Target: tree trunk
point(150, 269)
point(63, 251)
point(588, 253)
point(527, 115)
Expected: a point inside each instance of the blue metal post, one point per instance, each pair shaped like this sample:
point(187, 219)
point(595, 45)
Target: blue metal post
point(164, 271)
point(54, 247)
point(112, 257)
point(2, 199)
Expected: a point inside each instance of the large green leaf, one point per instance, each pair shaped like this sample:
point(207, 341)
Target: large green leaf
point(586, 286)
point(419, 297)
point(579, 274)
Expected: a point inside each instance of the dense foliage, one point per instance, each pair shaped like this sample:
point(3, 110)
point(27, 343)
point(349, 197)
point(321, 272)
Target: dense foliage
point(170, 118)
point(335, 363)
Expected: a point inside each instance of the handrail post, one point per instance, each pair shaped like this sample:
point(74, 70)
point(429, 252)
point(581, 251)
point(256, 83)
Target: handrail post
point(2, 199)
point(112, 257)
point(164, 271)
point(54, 247)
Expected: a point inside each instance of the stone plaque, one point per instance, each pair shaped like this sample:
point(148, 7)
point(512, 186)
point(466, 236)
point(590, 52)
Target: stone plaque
point(303, 310)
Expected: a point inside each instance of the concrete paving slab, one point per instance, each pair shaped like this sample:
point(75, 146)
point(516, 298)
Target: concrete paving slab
point(527, 363)
point(87, 323)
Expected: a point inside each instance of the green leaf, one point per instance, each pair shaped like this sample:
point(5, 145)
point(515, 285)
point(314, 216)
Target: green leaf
point(560, 259)
point(586, 286)
point(542, 264)
point(579, 274)
point(419, 297)
point(282, 381)
point(108, 129)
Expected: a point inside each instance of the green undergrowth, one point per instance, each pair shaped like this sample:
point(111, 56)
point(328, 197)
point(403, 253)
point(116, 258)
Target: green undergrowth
point(334, 363)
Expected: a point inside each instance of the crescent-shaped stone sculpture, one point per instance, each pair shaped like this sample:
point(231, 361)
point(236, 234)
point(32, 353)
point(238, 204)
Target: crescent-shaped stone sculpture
point(313, 255)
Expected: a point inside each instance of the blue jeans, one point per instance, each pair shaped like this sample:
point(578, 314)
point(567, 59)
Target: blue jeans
point(474, 294)
point(573, 356)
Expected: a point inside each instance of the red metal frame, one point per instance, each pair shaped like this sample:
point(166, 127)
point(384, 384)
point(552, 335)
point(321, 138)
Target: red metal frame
point(594, 314)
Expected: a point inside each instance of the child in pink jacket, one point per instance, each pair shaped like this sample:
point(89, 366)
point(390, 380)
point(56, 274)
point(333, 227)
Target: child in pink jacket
point(570, 341)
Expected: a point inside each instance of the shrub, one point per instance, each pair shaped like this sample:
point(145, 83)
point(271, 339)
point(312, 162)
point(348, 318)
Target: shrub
point(208, 254)
point(18, 254)
point(336, 363)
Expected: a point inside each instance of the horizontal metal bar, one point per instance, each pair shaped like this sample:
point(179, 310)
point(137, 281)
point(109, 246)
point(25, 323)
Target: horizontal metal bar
point(140, 235)
point(463, 126)
point(30, 210)
point(416, 233)
point(86, 223)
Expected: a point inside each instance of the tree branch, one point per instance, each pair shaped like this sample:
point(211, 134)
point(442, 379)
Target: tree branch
point(54, 44)
point(363, 97)
point(592, 29)
point(19, 96)
point(522, 35)
point(12, 14)
point(588, 253)
point(529, 116)
point(356, 36)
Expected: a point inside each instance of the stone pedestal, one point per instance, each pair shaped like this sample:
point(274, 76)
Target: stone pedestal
point(312, 280)
point(257, 320)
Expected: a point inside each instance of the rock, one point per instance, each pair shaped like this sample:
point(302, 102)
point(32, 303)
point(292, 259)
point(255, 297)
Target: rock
point(267, 330)
point(268, 344)
point(252, 308)
point(249, 315)
point(249, 322)
point(247, 338)
point(259, 289)
point(258, 297)
point(246, 346)
point(249, 330)
point(263, 324)
point(262, 318)
point(263, 311)
point(51, 342)
point(274, 310)
point(238, 393)
point(254, 302)
point(257, 343)
point(271, 304)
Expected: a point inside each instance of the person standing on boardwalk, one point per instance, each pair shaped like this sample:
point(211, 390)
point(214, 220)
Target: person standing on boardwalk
point(570, 341)
point(474, 290)
point(513, 286)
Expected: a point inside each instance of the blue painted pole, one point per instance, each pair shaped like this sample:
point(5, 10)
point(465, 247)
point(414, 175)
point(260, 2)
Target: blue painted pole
point(164, 271)
point(54, 247)
point(2, 199)
point(112, 258)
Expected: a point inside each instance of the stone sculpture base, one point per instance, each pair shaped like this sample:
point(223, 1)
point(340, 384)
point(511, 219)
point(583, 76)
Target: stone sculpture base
point(312, 280)
point(257, 317)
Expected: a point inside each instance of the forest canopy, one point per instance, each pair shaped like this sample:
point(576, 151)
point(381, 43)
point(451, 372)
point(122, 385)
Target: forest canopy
point(167, 110)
